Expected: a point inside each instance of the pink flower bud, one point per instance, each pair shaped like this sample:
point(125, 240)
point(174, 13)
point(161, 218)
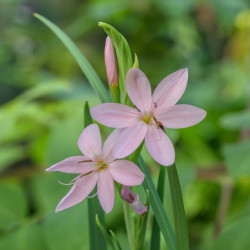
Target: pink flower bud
point(137, 205)
point(133, 200)
point(110, 63)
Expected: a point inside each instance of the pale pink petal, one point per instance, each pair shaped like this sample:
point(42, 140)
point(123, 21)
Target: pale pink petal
point(129, 140)
point(159, 146)
point(181, 116)
point(126, 173)
point(90, 142)
point(78, 192)
point(106, 192)
point(115, 115)
point(139, 89)
point(108, 146)
point(170, 90)
point(75, 165)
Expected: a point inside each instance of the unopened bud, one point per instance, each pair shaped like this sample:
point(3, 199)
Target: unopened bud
point(110, 63)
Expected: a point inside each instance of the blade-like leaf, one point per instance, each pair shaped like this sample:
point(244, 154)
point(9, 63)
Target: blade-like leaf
point(123, 55)
point(85, 66)
point(107, 236)
point(155, 238)
point(178, 208)
point(156, 205)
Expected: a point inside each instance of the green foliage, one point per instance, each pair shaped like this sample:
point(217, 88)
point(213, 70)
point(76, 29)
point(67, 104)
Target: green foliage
point(237, 121)
point(237, 158)
point(11, 194)
point(87, 69)
point(234, 237)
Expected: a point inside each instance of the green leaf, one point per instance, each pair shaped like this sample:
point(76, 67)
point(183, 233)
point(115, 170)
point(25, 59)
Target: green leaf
point(87, 116)
point(67, 229)
point(10, 155)
point(237, 158)
point(97, 240)
point(237, 121)
point(123, 55)
point(181, 231)
point(159, 212)
point(85, 66)
point(105, 233)
point(234, 237)
point(27, 237)
point(155, 238)
point(136, 62)
point(13, 206)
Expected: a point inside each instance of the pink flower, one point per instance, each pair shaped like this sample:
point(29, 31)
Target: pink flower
point(151, 114)
point(110, 63)
point(133, 200)
point(98, 166)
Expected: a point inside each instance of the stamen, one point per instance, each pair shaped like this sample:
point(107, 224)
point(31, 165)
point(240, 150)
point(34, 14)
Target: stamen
point(66, 184)
point(85, 161)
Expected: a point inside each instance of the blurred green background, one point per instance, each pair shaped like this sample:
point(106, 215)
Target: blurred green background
point(42, 92)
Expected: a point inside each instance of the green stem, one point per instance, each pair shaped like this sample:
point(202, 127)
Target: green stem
point(114, 94)
point(128, 223)
point(178, 208)
point(155, 239)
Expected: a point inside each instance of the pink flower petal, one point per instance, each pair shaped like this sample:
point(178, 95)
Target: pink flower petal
point(129, 140)
point(78, 192)
point(139, 89)
point(181, 116)
point(108, 146)
point(74, 165)
point(115, 115)
point(106, 192)
point(90, 142)
point(159, 146)
point(126, 173)
point(170, 90)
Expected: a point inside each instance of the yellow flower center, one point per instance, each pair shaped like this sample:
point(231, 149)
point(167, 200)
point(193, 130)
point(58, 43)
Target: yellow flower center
point(101, 165)
point(147, 119)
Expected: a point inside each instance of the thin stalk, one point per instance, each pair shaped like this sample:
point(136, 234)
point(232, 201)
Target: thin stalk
point(128, 223)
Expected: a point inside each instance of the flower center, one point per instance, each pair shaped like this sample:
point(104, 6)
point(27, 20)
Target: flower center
point(101, 165)
point(147, 119)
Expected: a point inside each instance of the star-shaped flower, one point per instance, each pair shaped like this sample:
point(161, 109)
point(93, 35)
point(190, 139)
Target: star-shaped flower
point(151, 114)
point(98, 166)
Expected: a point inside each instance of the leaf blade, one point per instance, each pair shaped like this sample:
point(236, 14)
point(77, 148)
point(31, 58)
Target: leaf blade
point(157, 207)
point(85, 66)
point(181, 231)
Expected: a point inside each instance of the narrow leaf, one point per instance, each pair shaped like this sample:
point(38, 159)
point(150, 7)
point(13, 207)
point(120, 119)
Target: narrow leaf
point(97, 240)
point(115, 239)
point(178, 208)
point(105, 233)
point(156, 205)
point(85, 66)
point(155, 239)
point(123, 55)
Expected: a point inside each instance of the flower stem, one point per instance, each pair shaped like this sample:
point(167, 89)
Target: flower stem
point(128, 223)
